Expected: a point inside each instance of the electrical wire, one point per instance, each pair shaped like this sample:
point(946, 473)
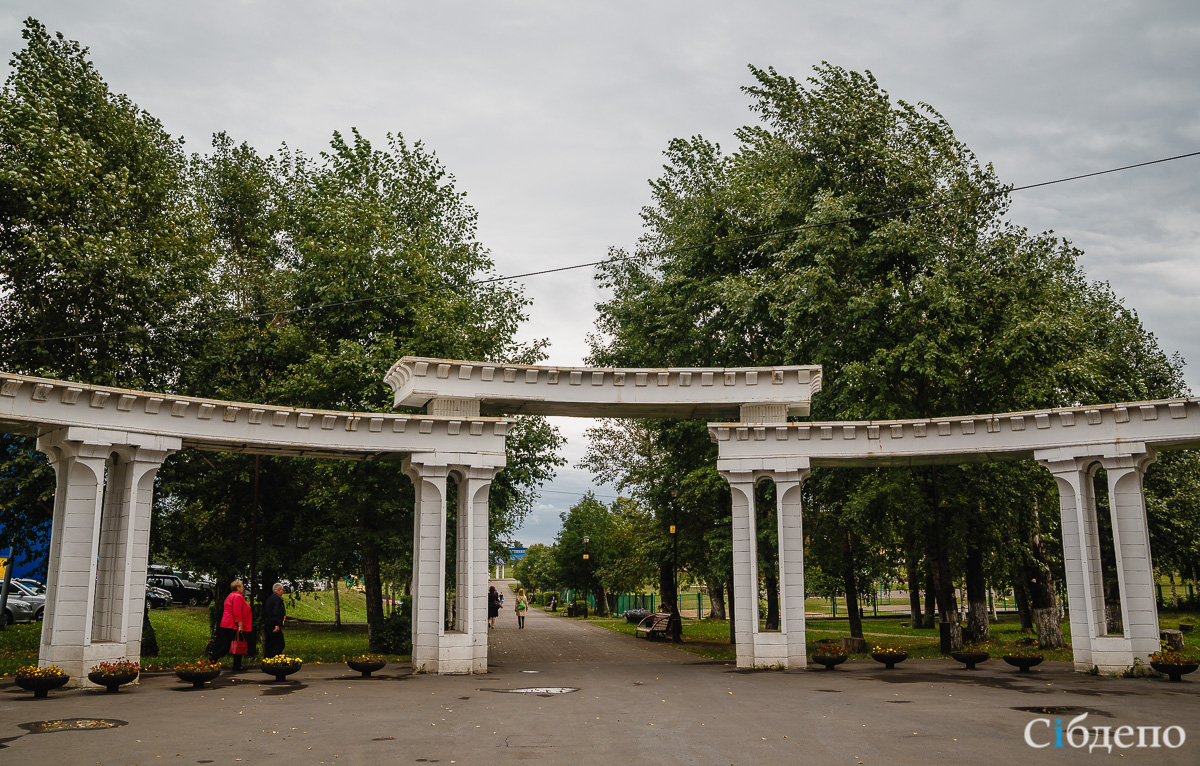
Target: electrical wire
point(632, 256)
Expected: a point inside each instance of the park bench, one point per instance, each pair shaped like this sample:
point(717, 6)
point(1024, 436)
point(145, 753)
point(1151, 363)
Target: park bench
point(653, 624)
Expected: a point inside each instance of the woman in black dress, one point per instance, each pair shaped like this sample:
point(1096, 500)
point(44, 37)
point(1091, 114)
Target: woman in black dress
point(493, 606)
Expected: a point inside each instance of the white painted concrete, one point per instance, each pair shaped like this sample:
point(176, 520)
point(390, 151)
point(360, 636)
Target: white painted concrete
point(106, 444)
point(764, 394)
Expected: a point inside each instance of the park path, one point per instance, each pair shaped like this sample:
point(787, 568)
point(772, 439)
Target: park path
point(549, 639)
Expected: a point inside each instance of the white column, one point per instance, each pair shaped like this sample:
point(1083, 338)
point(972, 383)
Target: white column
point(435, 649)
point(745, 566)
point(785, 647)
point(1131, 541)
point(788, 487)
point(1073, 472)
point(429, 563)
point(99, 544)
point(473, 487)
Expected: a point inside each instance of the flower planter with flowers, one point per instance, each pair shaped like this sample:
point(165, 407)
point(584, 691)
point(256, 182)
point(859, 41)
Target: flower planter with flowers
point(366, 663)
point(970, 657)
point(113, 675)
point(829, 655)
point(198, 673)
point(635, 616)
point(889, 656)
point(1023, 661)
point(1174, 664)
point(281, 666)
point(41, 680)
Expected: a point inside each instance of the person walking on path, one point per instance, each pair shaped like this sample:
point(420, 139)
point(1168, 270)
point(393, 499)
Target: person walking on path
point(274, 617)
point(522, 607)
point(235, 620)
point(493, 606)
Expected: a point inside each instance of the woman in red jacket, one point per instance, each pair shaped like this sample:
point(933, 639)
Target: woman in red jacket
point(235, 624)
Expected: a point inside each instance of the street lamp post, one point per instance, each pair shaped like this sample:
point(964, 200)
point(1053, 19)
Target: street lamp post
point(587, 571)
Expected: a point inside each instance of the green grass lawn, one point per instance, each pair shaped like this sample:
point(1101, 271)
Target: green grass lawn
point(710, 638)
point(182, 634)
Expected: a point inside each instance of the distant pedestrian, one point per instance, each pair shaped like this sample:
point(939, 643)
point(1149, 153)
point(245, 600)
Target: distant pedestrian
point(274, 616)
point(522, 608)
point(493, 606)
point(235, 623)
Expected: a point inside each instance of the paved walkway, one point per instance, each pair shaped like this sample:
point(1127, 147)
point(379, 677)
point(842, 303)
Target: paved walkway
point(636, 702)
point(550, 639)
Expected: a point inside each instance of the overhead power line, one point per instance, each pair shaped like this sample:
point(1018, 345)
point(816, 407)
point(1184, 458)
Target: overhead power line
point(632, 256)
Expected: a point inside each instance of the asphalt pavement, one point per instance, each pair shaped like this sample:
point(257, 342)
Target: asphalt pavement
point(562, 691)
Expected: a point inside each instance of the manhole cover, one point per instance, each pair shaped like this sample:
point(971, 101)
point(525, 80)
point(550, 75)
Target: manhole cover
point(531, 671)
point(72, 724)
point(538, 690)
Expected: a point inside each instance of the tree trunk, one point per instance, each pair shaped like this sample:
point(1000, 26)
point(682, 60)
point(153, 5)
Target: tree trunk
point(1043, 603)
point(1112, 607)
point(1021, 597)
point(850, 583)
point(337, 606)
point(978, 627)
point(930, 618)
point(374, 594)
point(772, 583)
point(1043, 600)
point(940, 564)
point(914, 589)
point(716, 599)
point(666, 583)
point(732, 632)
point(601, 601)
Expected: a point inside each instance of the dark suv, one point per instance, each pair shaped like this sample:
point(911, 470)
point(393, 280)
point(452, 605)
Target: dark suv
point(182, 591)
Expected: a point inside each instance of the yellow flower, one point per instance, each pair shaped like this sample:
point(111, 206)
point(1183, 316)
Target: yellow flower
point(33, 671)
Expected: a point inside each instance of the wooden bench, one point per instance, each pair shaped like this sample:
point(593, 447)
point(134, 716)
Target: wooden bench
point(653, 624)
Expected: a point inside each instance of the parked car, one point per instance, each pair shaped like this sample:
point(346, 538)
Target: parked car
point(182, 591)
point(35, 585)
point(30, 596)
point(158, 598)
point(18, 610)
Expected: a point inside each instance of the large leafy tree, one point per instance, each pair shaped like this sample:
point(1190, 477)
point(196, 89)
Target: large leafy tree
point(857, 232)
point(99, 266)
point(289, 280)
point(330, 269)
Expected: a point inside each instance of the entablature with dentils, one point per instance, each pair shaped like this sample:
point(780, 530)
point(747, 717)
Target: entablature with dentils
point(762, 394)
point(1162, 424)
point(37, 406)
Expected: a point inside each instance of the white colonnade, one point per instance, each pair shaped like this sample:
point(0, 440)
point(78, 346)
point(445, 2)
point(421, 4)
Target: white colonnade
point(106, 444)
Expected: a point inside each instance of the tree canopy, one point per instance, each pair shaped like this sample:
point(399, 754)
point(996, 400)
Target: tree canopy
point(854, 231)
point(283, 279)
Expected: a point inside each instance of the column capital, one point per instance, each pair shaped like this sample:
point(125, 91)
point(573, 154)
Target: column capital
point(1080, 457)
point(780, 465)
point(76, 441)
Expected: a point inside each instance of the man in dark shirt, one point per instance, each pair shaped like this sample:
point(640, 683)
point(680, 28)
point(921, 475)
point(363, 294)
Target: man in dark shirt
point(273, 617)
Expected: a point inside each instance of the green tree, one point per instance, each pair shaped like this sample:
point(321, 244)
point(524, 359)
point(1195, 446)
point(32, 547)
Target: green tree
point(100, 265)
point(585, 532)
point(537, 571)
point(857, 232)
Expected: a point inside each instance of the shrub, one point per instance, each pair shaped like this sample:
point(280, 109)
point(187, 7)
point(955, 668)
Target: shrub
point(395, 633)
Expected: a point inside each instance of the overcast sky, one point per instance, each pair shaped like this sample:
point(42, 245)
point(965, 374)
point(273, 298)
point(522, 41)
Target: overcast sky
point(553, 115)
